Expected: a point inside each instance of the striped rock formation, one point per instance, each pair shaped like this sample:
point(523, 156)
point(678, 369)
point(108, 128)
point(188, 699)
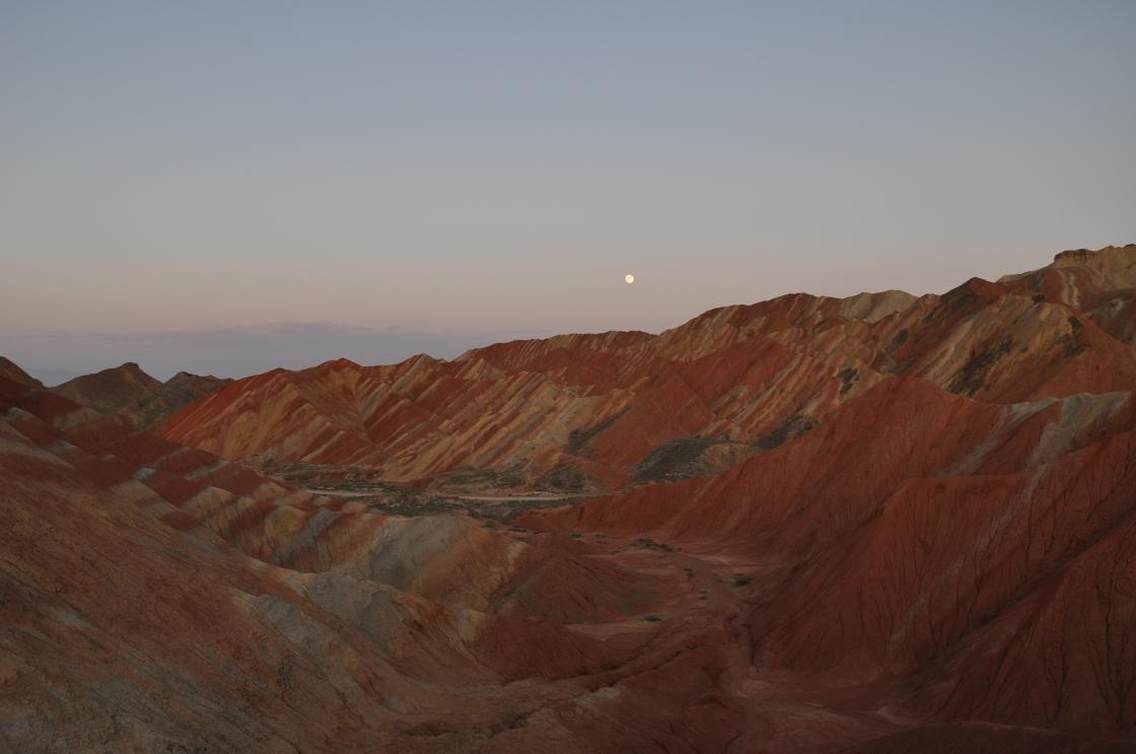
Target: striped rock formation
point(875, 524)
point(596, 412)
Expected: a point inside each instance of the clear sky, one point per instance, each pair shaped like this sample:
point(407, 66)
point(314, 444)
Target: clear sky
point(498, 167)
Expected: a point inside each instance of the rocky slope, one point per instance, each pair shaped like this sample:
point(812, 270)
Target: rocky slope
point(949, 533)
point(157, 598)
point(9, 370)
point(1100, 283)
point(875, 524)
point(595, 412)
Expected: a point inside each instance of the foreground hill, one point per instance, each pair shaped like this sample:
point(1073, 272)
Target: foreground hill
point(129, 392)
point(947, 533)
point(596, 412)
point(158, 598)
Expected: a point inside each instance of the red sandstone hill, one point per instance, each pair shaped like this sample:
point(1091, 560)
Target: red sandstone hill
point(11, 371)
point(876, 524)
point(593, 412)
point(190, 603)
point(201, 606)
point(918, 532)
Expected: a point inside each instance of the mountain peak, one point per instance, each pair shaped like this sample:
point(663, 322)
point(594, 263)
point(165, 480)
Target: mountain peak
point(12, 371)
point(128, 390)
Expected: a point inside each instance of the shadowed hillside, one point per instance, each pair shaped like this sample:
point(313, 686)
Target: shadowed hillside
point(131, 393)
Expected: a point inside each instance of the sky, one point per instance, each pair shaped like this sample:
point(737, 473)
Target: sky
point(446, 174)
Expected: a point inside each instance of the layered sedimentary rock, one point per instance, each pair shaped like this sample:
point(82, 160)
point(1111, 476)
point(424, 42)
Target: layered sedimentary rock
point(878, 524)
point(595, 412)
point(1100, 283)
point(159, 598)
point(918, 532)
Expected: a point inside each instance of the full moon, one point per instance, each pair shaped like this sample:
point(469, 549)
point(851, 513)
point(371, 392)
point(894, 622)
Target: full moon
point(629, 279)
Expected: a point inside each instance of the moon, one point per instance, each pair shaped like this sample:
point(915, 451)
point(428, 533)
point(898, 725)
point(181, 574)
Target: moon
point(629, 278)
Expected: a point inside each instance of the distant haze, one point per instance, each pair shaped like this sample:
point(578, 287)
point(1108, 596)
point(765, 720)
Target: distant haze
point(236, 352)
point(496, 168)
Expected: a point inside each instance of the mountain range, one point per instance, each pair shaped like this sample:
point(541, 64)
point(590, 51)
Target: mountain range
point(883, 523)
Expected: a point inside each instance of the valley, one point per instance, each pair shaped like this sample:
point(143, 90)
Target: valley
point(866, 525)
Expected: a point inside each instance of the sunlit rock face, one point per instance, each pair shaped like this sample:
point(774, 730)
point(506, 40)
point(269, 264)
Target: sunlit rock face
point(875, 524)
